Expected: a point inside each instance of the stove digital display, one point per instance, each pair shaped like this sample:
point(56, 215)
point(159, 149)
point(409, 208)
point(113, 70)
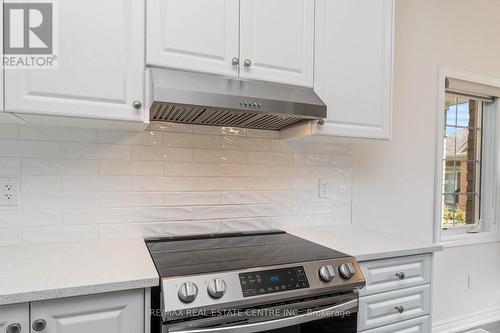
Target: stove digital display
point(273, 281)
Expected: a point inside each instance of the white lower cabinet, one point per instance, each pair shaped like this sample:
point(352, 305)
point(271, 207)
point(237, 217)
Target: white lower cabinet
point(14, 318)
point(417, 325)
point(121, 312)
point(397, 296)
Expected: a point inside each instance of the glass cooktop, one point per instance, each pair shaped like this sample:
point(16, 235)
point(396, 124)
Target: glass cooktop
point(174, 256)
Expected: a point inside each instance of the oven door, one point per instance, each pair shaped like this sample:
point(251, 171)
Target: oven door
point(316, 318)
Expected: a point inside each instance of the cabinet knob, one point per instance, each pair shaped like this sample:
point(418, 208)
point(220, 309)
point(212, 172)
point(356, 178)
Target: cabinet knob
point(137, 105)
point(14, 328)
point(235, 61)
point(247, 63)
point(39, 325)
point(401, 275)
point(400, 309)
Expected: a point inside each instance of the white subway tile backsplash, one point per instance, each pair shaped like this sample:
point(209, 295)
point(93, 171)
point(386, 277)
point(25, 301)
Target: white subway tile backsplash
point(248, 224)
point(17, 148)
point(219, 156)
point(161, 153)
point(192, 227)
point(312, 159)
point(163, 213)
point(173, 179)
point(9, 131)
point(131, 199)
point(269, 184)
point(245, 197)
point(213, 212)
point(40, 184)
point(96, 183)
point(269, 210)
point(192, 198)
point(219, 183)
point(191, 140)
point(192, 169)
point(244, 143)
point(94, 151)
point(237, 170)
point(130, 230)
point(270, 158)
point(10, 166)
point(33, 218)
point(131, 168)
point(10, 236)
point(96, 216)
point(52, 133)
point(58, 200)
point(293, 146)
point(58, 167)
point(148, 138)
point(167, 184)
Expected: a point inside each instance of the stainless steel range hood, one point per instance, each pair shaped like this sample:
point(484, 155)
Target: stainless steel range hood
point(193, 98)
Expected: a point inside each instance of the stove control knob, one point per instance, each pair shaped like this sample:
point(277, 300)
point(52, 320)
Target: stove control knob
point(327, 273)
point(217, 288)
point(188, 292)
point(347, 271)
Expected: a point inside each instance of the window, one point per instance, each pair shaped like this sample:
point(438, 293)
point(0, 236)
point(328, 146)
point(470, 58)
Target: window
point(461, 198)
point(468, 159)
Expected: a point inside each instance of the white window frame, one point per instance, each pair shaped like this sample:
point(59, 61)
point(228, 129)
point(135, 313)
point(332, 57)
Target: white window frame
point(491, 167)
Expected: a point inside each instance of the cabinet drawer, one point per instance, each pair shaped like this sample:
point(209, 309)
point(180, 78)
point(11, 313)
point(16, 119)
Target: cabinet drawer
point(394, 274)
point(14, 314)
point(381, 309)
point(418, 325)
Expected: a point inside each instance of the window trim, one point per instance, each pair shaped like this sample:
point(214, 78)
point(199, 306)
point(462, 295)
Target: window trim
point(491, 233)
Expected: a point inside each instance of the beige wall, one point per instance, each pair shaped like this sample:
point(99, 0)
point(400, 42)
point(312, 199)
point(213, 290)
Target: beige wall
point(394, 181)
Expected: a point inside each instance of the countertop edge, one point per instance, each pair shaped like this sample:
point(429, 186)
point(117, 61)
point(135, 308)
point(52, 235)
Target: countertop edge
point(400, 253)
point(42, 295)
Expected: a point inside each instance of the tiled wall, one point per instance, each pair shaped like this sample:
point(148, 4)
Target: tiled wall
point(177, 179)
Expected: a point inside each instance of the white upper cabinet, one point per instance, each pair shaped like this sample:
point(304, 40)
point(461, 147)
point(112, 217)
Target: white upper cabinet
point(353, 66)
point(270, 40)
point(277, 41)
point(1, 65)
point(101, 63)
point(197, 35)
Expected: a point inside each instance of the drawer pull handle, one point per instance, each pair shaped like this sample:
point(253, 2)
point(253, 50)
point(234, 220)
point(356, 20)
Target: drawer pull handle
point(39, 325)
point(400, 309)
point(401, 275)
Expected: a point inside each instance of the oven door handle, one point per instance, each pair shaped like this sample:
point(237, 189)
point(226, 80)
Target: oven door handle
point(332, 311)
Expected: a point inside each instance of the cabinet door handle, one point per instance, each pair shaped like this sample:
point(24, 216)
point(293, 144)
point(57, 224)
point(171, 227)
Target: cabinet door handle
point(39, 325)
point(400, 309)
point(401, 275)
point(14, 328)
point(235, 61)
point(247, 63)
point(137, 105)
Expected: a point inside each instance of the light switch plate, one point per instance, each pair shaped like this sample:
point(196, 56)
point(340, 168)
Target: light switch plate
point(9, 191)
point(325, 188)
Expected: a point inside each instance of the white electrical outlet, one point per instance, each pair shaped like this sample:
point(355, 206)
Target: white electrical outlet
point(9, 191)
point(325, 188)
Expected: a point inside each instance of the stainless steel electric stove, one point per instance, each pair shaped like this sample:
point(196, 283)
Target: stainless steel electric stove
point(253, 282)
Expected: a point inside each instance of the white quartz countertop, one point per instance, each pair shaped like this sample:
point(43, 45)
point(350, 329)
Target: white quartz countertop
point(364, 244)
point(35, 272)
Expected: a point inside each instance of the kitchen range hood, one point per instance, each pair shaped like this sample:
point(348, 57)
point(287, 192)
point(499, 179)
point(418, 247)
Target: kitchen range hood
point(203, 99)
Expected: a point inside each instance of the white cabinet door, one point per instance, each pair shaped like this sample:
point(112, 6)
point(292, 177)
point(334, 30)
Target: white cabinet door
point(121, 312)
point(277, 37)
point(100, 64)
point(197, 35)
point(353, 66)
point(14, 316)
point(418, 325)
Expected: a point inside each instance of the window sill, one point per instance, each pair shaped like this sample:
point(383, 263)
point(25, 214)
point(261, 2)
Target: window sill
point(469, 239)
